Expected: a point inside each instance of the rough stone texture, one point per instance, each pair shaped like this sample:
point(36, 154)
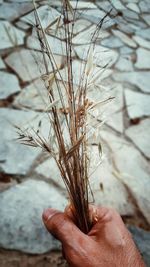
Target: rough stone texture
point(10, 36)
point(124, 64)
point(46, 13)
point(141, 42)
point(131, 168)
point(29, 64)
point(142, 240)
point(106, 56)
point(118, 5)
point(139, 134)
point(112, 42)
point(14, 157)
point(21, 223)
point(145, 33)
point(124, 38)
point(143, 59)
point(138, 105)
point(139, 79)
point(133, 7)
point(8, 85)
point(12, 11)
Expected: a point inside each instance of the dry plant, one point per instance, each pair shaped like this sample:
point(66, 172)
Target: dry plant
point(70, 112)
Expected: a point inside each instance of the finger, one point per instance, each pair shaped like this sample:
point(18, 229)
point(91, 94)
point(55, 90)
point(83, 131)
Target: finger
point(59, 225)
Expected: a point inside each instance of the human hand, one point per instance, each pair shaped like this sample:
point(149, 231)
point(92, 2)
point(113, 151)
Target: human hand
point(108, 244)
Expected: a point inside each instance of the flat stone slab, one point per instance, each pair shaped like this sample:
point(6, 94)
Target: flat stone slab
point(102, 56)
point(12, 11)
point(138, 105)
point(141, 41)
point(2, 65)
point(16, 158)
point(10, 36)
point(141, 79)
point(139, 134)
point(29, 64)
point(124, 64)
point(143, 59)
point(128, 165)
point(46, 13)
point(21, 217)
point(134, 7)
point(8, 84)
point(124, 38)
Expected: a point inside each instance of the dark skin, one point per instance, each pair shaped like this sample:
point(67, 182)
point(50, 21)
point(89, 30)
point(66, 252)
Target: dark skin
point(108, 244)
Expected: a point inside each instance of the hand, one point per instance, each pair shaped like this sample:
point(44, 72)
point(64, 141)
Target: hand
point(108, 244)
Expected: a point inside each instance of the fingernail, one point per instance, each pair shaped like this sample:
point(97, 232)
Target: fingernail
point(47, 214)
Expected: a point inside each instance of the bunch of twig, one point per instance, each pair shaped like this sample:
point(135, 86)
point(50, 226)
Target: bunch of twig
point(68, 111)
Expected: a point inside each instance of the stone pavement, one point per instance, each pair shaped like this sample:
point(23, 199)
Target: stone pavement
point(122, 180)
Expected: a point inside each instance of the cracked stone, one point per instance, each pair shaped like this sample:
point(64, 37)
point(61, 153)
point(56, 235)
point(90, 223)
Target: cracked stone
point(9, 85)
point(46, 13)
point(138, 105)
point(146, 17)
point(130, 15)
point(145, 33)
point(16, 158)
point(124, 64)
point(94, 15)
point(141, 79)
point(118, 5)
point(112, 42)
point(141, 42)
point(143, 59)
point(83, 5)
point(12, 11)
point(124, 38)
point(144, 6)
point(103, 56)
point(139, 134)
point(10, 36)
point(129, 166)
point(28, 64)
point(85, 37)
point(24, 231)
point(133, 7)
point(50, 170)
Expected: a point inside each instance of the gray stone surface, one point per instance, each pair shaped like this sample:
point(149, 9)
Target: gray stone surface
point(20, 221)
point(141, 42)
point(131, 168)
point(145, 33)
point(138, 105)
point(14, 157)
point(141, 79)
point(124, 38)
point(142, 240)
point(8, 84)
point(12, 11)
point(143, 59)
point(112, 42)
point(10, 36)
point(139, 134)
point(118, 5)
point(2, 65)
point(133, 7)
point(124, 64)
point(29, 64)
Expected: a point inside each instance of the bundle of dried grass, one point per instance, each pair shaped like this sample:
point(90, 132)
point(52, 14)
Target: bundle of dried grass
point(68, 112)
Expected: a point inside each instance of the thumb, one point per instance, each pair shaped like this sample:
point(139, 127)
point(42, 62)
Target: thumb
point(61, 226)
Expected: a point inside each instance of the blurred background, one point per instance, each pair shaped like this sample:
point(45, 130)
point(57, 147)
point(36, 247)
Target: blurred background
point(29, 180)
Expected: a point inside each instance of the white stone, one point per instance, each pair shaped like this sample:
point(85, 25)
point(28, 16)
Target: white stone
point(93, 15)
point(80, 25)
point(46, 13)
point(130, 167)
point(138, 105)
point(118, 5)
point(29, 64)
point(112, 42)
point(22, 25)
point(144, 6)
point(85, 37)
point(16, 158)
point(2, 65)
point(21, 217)
point(9, 84)
point(130, 15)
point(145, 33)
point(82, 5)
point(146, 17)
point(124, 64)
point(102, 55)
point(10, 36)
point(12, 11)
point(141, 79)
point(139, 134)
point(142, 42)
point(125, 50)
point(49, 169)
point(143, 59)
point(133, 7)
point(124, 38)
